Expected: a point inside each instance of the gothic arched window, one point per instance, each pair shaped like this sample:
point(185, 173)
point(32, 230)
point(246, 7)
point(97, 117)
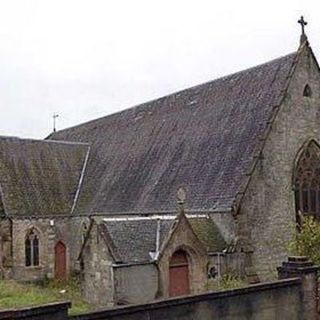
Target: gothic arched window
point(307, 181)
point(32, 249)
point(307, 91)
point(84, 230)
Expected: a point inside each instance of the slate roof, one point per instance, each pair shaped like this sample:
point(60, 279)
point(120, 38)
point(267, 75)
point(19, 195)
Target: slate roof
point(39, 177)
point(202, 139)
point(133, 240)
point(209, 234)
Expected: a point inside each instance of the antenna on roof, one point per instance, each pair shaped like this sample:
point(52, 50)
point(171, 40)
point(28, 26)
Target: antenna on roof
point(303, 37)
point(54, 117)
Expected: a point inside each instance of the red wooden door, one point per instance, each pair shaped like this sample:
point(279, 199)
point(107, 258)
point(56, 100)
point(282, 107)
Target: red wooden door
point(60, 265)
point(179, 274)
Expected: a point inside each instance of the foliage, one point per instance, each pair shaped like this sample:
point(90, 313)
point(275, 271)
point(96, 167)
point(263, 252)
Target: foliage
point(307, 241)
point(16, 295)
point(228, 281)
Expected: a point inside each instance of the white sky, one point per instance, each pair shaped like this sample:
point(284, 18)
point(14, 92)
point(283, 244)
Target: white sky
point(86, 59)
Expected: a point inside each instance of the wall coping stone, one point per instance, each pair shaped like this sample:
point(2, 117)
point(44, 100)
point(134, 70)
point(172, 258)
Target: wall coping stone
point(298, 259)
point(186, 299)
point(297, 265)
point(34, 310)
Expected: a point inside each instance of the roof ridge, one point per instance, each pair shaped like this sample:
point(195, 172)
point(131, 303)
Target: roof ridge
point(2, 137)
point(147, 103)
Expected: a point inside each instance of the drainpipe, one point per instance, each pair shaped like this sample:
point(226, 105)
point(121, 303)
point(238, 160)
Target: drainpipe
point(157, 239)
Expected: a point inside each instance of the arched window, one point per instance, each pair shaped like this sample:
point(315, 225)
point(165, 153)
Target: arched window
point(32, 249)
point(307, 181)
point(84, 231)
point(307, 91)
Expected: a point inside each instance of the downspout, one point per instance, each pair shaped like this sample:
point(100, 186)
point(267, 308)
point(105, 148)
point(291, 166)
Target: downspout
point(80, 181)
point(157, 239)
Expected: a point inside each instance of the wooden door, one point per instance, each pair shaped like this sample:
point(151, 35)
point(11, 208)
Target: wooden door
point(179, 274)
point(60, 264)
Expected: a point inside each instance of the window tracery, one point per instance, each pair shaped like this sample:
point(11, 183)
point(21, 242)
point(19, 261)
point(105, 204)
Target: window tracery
point(307, 182)
point(32, 249)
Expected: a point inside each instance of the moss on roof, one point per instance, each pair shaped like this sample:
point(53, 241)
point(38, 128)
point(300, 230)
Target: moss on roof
point(202, 138)
point(208, 233)
point(39, 177)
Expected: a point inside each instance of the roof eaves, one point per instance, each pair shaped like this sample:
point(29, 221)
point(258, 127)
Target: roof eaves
point(160, 212)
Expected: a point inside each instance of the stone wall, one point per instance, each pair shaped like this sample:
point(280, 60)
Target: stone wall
point(183, 238)
point(53, 311)
point(97, 283)
point(135, 283)
point(228, 263)
point(5, 248)
point(277, 300)
point(45, 232)
point(267, 214)
point(226, 224)
point(294, 299)
point(50, 231)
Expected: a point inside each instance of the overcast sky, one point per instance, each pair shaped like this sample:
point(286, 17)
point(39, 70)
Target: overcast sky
point(87, 59)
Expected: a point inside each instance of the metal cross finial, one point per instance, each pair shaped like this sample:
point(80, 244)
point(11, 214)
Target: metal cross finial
point(303, 23)
point(55, 116)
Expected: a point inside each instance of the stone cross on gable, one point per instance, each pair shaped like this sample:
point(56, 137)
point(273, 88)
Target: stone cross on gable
point(303, 23)
point(181, 196)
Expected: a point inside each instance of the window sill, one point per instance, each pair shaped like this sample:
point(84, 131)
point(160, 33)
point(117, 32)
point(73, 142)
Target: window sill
point(33, 267)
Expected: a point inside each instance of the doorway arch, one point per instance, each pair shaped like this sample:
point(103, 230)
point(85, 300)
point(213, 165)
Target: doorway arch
point(179, 274)
point(60, 261)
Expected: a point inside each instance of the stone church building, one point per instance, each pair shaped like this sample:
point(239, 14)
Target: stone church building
point(100, 197)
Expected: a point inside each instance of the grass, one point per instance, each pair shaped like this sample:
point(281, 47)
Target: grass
point(17, 295)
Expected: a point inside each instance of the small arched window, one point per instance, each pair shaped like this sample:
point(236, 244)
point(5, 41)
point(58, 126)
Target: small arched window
point(307, 181)
point(32, 249)
point(307, 91)
point(84, 231)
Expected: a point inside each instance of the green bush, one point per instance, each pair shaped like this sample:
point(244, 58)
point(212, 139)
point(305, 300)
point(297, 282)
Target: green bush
point(307, 241)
